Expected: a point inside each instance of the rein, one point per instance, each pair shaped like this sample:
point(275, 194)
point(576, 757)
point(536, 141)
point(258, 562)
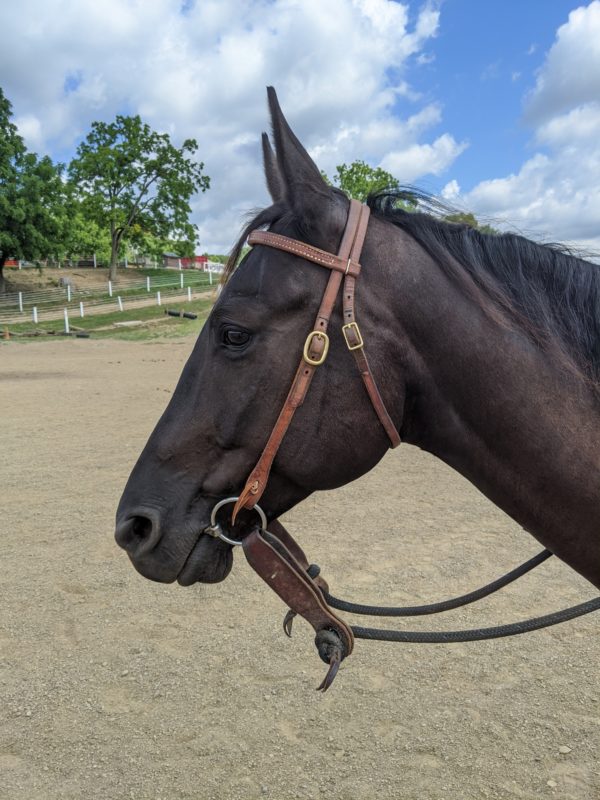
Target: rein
point(274, 554)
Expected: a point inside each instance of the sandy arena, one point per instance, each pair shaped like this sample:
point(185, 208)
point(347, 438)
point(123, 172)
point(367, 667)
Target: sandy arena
point(113, 687)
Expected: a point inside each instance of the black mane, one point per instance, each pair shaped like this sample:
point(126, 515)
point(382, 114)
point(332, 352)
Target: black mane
point(551, 293)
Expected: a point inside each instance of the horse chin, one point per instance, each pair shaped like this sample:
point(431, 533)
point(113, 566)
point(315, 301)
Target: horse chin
point(210, 561)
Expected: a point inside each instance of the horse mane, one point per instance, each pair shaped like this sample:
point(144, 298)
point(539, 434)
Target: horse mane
point(547, 290)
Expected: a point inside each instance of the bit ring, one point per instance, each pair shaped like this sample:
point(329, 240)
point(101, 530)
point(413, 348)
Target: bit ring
point(215, 530)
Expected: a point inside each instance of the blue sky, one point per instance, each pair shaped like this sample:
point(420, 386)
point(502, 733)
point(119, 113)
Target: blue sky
point(485, 58)
point(495, 105)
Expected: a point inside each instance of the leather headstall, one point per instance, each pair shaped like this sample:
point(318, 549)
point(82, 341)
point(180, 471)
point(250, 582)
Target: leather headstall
point(344, 266)
point(277, 559)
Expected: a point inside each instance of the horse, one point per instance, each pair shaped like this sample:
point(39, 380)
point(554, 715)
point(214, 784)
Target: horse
point(483, 349)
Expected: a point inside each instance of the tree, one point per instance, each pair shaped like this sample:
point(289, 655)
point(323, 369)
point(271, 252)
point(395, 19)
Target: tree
point(142, 241)
point(359, 180)
point(126, 174)
point(83, 236)
point(31, 198)
point(468, 218)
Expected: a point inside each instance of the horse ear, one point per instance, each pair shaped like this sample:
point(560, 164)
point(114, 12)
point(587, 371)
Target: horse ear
point(273, 178)
point(301, 177)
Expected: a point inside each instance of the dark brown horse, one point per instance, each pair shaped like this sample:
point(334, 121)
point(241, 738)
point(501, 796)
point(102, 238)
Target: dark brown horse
point(485, 349)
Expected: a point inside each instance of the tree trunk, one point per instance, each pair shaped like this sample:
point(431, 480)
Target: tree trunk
point(3, 260)
point(114, 256)
point(116, 235)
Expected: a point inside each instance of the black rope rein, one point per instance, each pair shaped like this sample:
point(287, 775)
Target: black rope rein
point(444, 637)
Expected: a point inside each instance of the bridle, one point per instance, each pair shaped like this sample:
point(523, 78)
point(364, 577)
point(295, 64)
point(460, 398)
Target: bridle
point(273, 553)
point(345, 266)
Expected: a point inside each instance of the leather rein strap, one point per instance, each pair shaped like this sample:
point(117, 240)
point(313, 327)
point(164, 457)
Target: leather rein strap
point(345, 266)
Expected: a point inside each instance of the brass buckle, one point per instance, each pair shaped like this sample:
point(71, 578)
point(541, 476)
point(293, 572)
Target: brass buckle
point(353, 326)
point(315, 362)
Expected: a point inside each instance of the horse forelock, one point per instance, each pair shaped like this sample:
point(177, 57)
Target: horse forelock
point(257, 219)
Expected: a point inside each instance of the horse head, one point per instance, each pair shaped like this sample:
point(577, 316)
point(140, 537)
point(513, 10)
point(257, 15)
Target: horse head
point(237, 379)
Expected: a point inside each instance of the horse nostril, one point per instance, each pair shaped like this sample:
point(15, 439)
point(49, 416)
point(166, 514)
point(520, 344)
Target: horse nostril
point(139, 533)
point(141, 527)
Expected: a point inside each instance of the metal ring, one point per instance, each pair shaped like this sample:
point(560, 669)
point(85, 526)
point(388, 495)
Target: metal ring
point(215, 530)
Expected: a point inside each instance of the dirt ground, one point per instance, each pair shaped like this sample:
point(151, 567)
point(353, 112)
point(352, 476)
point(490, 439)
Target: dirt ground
point(115, 687)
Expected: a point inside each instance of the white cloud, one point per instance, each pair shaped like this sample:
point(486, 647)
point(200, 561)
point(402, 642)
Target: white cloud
point(419, 159)
point(451, 190)
point(555, 195)
point(30, 129)
point(338, 68)
point(577, 127)
point(570, 75)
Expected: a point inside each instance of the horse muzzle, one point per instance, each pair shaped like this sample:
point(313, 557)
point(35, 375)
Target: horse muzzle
point(168, 551)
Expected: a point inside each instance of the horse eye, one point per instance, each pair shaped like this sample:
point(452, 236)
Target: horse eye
point(234, 337)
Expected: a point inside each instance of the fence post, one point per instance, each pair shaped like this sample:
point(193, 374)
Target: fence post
point(68, 293)
point(120, 302)
point(66, 320)
point(189, 294)
point(181, 280)
point(158, 299)
point(34, 314)
point(21, 302)
point(148, 283)
point(179, 260)
point(210, 276)
point(94, 260)
point(110, 288)
point(81, 308)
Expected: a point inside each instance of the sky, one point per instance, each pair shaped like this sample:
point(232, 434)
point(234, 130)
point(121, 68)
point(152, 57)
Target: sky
point(493, 104)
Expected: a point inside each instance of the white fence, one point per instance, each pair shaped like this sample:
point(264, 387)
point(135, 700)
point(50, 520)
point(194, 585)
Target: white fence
point(49, 303)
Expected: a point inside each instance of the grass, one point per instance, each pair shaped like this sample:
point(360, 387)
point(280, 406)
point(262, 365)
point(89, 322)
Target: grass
point(168, 280)
point(156, 323)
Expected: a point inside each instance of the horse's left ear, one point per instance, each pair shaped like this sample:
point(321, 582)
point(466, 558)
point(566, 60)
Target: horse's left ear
point(303, 185)
point(272, 176)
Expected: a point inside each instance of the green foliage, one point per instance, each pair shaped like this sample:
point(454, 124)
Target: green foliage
point(83, 236)
point(32, 196)
point(467, 218)
point(218, 258)
point(126, 174)
point(144, 241)
point(359, 180)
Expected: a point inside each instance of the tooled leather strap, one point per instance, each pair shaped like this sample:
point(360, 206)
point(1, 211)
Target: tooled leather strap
point(317, 342)
point(306, 251)
point(279, 569)
point(287, 540)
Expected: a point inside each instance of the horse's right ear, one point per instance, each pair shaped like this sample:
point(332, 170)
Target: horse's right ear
point(302, 181)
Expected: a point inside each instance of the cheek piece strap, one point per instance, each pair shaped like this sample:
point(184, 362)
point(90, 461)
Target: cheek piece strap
point(345, 269)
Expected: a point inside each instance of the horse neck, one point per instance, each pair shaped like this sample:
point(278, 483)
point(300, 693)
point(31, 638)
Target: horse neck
point(503, 413)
